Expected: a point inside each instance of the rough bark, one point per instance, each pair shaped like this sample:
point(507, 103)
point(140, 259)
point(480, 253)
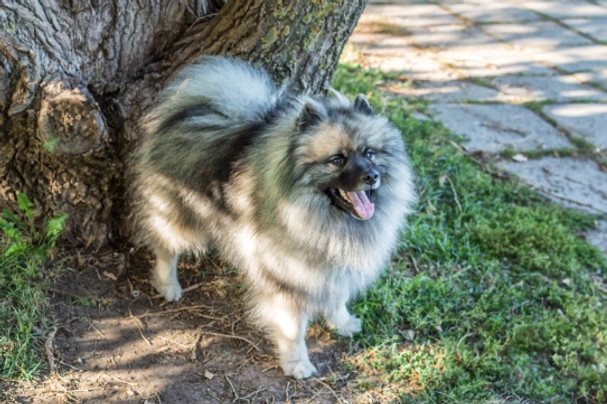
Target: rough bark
point(75, 78)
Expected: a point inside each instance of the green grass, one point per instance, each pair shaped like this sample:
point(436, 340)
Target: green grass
point(23, 250)
point(504, 301)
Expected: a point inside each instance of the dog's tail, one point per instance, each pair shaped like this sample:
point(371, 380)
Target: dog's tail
point(215, 93)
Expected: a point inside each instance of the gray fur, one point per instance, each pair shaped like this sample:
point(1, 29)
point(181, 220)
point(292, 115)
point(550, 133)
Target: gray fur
point(228, 159)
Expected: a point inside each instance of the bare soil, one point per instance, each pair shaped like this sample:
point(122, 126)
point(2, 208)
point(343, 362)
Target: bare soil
point(116, 342)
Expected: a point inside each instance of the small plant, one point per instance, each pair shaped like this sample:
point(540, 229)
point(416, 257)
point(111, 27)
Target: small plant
point(23, 249)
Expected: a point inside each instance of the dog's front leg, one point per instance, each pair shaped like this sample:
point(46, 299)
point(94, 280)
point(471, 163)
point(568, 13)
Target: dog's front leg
point(287, 324)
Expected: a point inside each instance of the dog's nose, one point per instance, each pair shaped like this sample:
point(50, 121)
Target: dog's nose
point(370, 177)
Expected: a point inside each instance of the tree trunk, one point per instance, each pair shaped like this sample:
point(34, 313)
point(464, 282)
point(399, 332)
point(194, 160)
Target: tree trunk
point(75, 78)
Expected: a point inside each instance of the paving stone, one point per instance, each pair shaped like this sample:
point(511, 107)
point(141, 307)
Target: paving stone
point(597, 76)
point(567, 9)
point(448, 91)
point(598, 237)
point(452, 36)
point(493, 61)
point(565, 179)
point(380, 43)
point(494, 128)
point(485, 11)
point(536, 34)
point(557, 88)
point(410, 15)
point(595, 27)
point(586, 120)
point(574, 59)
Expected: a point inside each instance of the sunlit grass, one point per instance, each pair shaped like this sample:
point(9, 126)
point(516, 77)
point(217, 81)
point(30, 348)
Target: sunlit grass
point(492, 297)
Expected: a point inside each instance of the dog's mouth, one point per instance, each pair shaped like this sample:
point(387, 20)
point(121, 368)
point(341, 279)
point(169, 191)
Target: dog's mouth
point(357, 204)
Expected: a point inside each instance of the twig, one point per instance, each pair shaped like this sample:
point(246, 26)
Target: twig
point(193, 356)
point(460, 341)
point(415, 267)
point(162, 313)
point(185, 290)
point(48, 347)
point(124, 381)
point(454, 195)
point(95, 328)
point(214, 396)
point(236, 395)
point(139, 326)
point(234, 337)
point(339, 400)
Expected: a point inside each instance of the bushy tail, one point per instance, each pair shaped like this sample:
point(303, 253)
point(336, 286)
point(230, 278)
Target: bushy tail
point(215, 92)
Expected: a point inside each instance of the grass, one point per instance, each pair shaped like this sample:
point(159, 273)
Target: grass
point(23, 250)
point(499, 301)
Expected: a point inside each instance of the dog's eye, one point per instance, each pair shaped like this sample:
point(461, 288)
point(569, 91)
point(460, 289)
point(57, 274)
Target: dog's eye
point(369, 153)
point(336, 160)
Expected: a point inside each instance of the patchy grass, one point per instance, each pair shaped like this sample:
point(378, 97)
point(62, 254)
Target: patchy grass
point(493, 297)
point(23, 250)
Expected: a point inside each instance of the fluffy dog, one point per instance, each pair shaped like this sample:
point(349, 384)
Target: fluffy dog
point(306, 195)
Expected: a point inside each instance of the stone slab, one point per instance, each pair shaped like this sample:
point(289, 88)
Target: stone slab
point(574, 59)
point(489, 11)
point(598, 76)
point(598, 237)
point(452, 36)
point(565, 180)
point(585, 120)
point(493, 61)
point(409, 15)
point(557, 88)
point(536, 34)
point(494, 128)
point(567, 9)
point(595, 27)
point(452, 91)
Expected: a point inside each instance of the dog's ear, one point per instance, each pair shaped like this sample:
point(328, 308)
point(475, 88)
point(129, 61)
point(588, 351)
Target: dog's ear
point(362, 105)
point(311, 114)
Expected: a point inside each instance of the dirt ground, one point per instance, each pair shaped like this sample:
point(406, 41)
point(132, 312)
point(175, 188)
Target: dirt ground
point(116, 342)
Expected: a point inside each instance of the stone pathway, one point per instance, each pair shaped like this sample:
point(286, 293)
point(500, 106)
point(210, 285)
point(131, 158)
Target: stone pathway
point(516, 77)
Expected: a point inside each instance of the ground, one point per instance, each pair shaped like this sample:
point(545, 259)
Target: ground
point(119, 343)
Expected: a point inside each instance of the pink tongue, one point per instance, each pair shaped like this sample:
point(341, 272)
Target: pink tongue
point(362, 204)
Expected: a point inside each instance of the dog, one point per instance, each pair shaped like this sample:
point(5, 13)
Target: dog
point(306, 195)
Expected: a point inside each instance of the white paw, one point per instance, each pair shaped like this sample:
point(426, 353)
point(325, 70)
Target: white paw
point(352, 326)
point(171, 292)
point(300, 369)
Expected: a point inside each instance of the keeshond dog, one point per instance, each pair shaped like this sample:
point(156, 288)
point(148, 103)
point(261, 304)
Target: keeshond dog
point(305, 195)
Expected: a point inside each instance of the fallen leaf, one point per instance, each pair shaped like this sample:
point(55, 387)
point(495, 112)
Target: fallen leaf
point(520, 158)
point(110, 275)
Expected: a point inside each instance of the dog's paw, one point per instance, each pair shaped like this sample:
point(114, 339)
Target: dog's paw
point(171, 292)
point(300, 369)
point(350, 327)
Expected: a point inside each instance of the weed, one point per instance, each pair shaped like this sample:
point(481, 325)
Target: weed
point(23, 250)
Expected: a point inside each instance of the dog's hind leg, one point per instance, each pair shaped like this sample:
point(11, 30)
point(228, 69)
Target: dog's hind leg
point(164, 275)
point(346, 323)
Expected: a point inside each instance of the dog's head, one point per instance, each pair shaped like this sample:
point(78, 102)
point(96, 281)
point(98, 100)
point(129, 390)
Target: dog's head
point(344, 151)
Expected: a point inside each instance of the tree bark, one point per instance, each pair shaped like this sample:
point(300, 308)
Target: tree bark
point(76, 77)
